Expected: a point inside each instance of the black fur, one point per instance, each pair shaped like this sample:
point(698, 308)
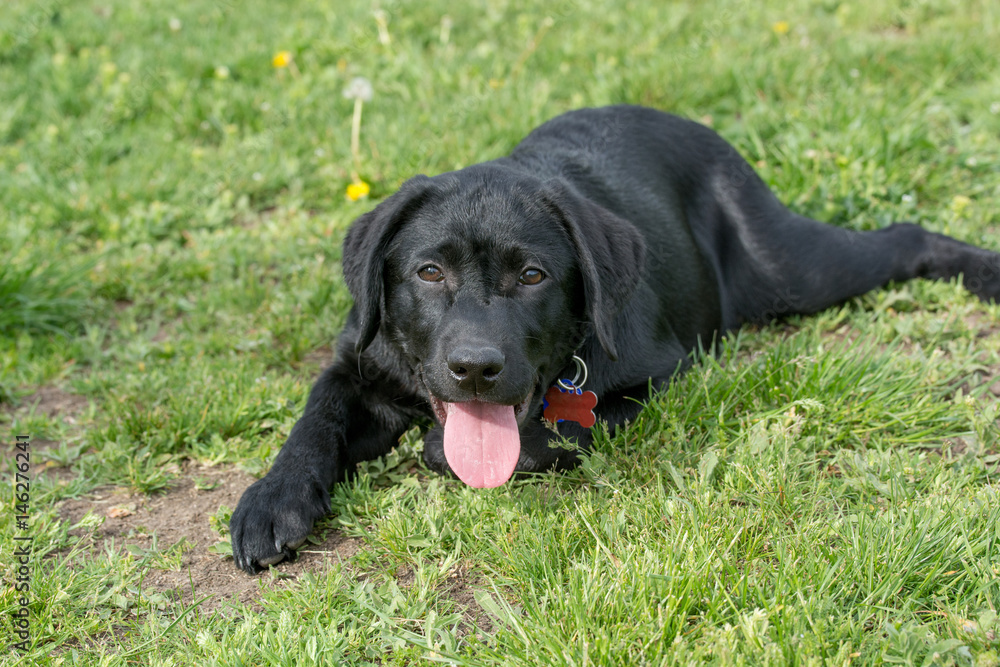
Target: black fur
point(653, 236)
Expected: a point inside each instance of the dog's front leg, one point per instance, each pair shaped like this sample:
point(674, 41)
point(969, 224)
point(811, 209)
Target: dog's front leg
point(343, 424)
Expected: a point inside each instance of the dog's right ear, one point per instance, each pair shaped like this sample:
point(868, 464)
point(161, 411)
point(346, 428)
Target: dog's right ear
point(365, 249)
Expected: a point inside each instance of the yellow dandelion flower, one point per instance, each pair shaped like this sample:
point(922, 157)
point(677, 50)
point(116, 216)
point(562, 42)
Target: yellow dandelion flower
point(781, 28)
point(358, 190)
point(282, 59)
point(959, 203)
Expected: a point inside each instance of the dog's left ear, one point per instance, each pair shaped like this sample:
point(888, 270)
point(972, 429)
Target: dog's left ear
point(365, 249)
point(611, 254)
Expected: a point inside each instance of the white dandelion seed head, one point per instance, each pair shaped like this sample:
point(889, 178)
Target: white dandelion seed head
point(359, 88)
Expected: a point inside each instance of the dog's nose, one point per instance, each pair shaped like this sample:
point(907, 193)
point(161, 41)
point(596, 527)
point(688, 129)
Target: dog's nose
point(475, 368)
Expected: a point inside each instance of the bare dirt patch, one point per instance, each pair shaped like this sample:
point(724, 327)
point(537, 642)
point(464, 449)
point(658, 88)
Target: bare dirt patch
point(461, 589)
point(983, 325)
point(183, 514)
point(51, 401)
point(55, 404)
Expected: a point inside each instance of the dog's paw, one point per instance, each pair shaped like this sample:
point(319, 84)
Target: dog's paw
point(273, 518)
point(434, 452)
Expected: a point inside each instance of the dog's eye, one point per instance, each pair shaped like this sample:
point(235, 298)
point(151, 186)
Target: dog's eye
point(431, 274)
point(531, 277)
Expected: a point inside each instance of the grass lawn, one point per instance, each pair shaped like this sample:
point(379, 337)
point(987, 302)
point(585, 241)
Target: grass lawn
point(172, 204)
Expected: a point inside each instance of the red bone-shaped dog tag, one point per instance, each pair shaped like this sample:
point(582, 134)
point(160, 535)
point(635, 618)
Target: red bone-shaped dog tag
point(574, 405)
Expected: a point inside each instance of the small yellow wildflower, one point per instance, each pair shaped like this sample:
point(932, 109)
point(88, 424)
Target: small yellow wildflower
point(959, 203)
point(781, 28)
point(282, 59)
point(358, 190)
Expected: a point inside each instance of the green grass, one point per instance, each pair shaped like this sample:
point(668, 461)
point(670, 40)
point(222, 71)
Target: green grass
point(171, 211)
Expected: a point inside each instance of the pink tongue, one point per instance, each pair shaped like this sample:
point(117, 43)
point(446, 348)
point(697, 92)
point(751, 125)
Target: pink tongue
point(481, 442)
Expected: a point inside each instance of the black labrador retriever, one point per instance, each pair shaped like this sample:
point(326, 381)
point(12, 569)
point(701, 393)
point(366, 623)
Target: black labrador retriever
point(616, 240)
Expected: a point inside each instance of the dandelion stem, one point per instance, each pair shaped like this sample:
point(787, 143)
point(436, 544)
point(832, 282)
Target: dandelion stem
point(356, 139)
point(382, 21)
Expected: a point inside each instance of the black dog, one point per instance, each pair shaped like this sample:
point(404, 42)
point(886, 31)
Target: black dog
point(623, 236)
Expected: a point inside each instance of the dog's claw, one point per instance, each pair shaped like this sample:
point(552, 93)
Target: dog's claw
point(273, 560)
point(284, 551)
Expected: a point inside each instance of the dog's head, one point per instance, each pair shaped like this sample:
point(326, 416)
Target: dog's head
point(487, 282)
